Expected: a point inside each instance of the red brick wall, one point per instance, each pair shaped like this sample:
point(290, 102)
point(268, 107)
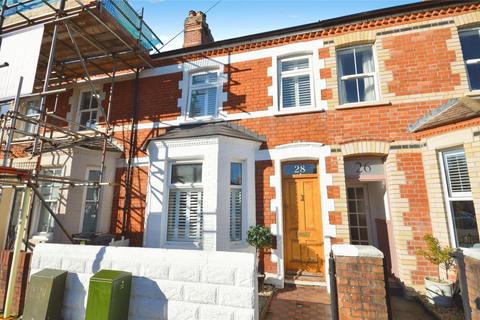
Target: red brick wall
point(22, 279)
point(472, 270)
point(418, 216)
point(421, 74)
point(361, 288)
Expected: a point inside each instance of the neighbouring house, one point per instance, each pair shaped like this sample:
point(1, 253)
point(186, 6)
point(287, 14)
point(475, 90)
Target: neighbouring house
point(361, 129)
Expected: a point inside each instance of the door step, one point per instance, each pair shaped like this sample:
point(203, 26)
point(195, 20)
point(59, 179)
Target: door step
point(306, 280)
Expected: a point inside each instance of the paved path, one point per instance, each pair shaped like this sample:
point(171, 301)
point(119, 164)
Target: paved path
point(300, 303)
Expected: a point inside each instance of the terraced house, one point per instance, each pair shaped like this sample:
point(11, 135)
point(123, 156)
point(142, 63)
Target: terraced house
point(361, 129)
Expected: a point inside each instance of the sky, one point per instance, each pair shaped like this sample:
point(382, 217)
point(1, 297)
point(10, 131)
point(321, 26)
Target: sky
point(234, 18)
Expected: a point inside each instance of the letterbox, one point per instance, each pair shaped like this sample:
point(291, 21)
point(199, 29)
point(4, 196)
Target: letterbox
point(109, 295)
point(44, 297)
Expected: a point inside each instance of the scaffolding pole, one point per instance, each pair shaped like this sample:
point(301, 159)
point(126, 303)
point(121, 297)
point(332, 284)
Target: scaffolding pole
point(11, 130)
point(21, 228)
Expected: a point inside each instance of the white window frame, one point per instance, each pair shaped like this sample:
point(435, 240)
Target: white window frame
point(470, 61)
point(80, 111)
point(295, 73)
point(38, 206)
point(448, 198)
point(358, 76)
point(192, 87)
point(240, 187)
point(182, 187)
point(84, 198)
point(35, 115)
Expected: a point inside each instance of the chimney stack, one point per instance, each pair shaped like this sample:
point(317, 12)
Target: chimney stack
point(196, 31)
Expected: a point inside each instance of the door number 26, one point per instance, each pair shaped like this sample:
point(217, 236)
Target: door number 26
point(363, 167)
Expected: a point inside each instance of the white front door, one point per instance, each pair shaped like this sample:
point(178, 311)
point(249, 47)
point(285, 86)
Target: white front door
point(359, 215)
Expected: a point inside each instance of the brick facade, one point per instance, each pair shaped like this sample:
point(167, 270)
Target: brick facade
point(408, 88)
point(22, 279)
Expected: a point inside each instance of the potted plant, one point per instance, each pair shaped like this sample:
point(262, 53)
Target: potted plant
point(439, 291)
point(260, 238)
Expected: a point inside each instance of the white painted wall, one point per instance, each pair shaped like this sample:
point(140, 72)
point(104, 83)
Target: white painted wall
point(215, 154)
point(20, 50)
point(167, 284)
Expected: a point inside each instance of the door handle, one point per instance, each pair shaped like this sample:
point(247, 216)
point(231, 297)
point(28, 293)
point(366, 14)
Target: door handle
point(302, 198)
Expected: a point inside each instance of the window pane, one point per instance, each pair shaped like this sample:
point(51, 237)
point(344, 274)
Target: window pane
point(364, 59)
point(211, 101)
point(4, 107)
point(346, 62)
point(85, 103)
point(85, 119)
point(205, 78)
point(288, 92)
point(349, 91)
point(299, 168)
point(456, 171)
point(90, 217)
point(470, 40)
point(235, 214)
point(236, 174)
point(474, 75)
point(292, 65)
point(366, 89)
point(45, 220)
point(185, 215)
point(186, 173)
point(304, 90)
point(466, 229)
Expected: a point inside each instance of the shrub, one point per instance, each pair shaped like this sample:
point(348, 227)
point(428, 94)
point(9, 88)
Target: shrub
point(437, 254)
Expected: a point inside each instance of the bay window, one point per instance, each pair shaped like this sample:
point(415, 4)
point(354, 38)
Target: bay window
point(185, 203)
point(470, 41)
point(459, 197)
point(51, 193)
point(90, 211)
point(204, 93)
point(296, 84)
point(357, 75)
point(236, 202)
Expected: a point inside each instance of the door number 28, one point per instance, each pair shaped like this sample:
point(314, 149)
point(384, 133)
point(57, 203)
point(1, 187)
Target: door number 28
point(299, 169)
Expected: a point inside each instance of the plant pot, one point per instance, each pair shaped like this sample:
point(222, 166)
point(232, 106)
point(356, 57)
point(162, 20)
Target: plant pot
point(261, 280)
point(439, 292)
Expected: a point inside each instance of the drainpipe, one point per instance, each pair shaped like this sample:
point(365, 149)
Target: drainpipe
point(333, 287)
point(131, 154)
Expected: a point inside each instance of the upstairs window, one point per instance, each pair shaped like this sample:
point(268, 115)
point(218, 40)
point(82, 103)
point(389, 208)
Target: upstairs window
point(357, 76)
point(4, 108)
point(296, 82)
point(88, 110)
point(470, 40)
point(204, 91)
point(185, 203)
point(459, 198)
point(236, 202)
point(32, 111)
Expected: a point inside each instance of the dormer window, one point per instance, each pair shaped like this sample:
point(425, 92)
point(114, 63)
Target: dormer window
point(88, 110)
point(204, 92)
point(296, 82)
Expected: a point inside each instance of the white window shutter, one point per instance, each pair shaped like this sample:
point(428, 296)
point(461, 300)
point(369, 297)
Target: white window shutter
point(236, 214)
point(185, 215)
point(304, 94)
point(288, 92)
point(457, 172)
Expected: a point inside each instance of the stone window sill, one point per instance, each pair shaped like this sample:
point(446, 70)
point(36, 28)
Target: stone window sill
point(474, 93)
point(364, 105)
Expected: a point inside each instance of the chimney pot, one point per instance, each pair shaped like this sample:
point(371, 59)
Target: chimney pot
point(196, 31)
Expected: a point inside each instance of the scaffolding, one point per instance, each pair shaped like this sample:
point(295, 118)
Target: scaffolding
point(82, 41)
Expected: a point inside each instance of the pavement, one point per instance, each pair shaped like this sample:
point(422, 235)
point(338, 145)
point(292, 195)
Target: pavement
point(300, 303)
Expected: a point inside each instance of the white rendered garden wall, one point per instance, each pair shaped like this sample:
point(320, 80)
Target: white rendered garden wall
point(167, 284)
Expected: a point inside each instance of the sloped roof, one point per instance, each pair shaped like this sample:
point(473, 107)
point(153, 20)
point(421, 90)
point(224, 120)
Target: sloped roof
point(226, 129)
point(454, 110)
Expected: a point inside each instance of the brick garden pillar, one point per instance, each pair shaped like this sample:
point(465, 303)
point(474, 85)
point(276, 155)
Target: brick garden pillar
point(471, 263)
point(360, 282)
